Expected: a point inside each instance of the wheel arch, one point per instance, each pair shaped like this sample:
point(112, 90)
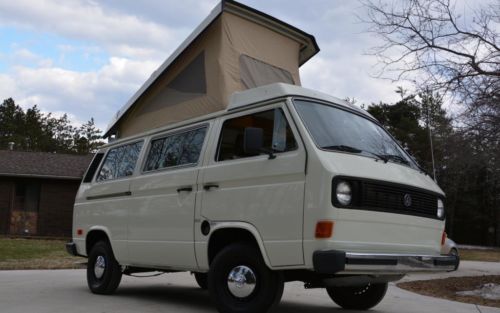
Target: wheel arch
point(94, 235)
point(223, 234)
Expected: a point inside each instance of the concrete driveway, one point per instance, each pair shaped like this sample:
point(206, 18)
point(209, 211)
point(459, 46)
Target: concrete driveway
point(65, 291)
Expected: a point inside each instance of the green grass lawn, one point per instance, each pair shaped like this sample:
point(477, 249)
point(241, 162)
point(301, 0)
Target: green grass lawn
point(35, 254)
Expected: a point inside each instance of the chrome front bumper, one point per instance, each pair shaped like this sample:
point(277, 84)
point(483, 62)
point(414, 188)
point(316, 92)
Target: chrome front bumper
point(336, 262)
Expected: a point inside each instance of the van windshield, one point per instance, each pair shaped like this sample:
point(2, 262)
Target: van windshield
point(340, 130)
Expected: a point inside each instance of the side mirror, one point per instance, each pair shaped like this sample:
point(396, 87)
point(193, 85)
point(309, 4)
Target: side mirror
point(253, 139)
point(253, 142)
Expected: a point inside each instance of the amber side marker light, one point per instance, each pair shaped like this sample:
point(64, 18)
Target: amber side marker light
point(443, 238)
point(324, 229)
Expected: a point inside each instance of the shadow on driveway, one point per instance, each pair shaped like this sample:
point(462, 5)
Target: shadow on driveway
point(193, 299)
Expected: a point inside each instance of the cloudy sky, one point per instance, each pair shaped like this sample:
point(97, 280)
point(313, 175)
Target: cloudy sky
point(86, 58)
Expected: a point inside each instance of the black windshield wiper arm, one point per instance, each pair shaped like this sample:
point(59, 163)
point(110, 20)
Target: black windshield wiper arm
point(397, 158)
point(354, 150)
point(343, 148)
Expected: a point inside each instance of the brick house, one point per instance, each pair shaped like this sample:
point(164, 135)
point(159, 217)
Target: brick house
point(37, 192)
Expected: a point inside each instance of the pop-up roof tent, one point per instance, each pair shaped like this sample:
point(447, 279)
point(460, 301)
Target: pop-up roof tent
point(233, 49)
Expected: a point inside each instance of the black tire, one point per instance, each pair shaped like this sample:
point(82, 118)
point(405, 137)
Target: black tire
point(358, 297)
point(202, 280)
point(110, 279)
point(268, 284)
point(454, 251)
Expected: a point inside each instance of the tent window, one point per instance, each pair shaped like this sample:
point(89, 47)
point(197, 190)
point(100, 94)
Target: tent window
point(189, 84)
point(192, 78)
point(255, 73)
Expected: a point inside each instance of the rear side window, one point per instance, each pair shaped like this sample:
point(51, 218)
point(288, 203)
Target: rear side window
point(179, 149)
point(120, 162)
point(278, 135)
point(93, 167)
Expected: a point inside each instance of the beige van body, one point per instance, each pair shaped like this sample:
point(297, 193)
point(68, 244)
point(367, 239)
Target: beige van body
point(179, 217)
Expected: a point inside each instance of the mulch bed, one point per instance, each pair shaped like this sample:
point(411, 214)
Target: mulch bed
point(446, 288)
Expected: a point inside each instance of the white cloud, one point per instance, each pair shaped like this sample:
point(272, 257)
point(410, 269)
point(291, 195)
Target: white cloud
point(25, 54)
point(7, 87)
point(82, 95)
point(26, 57)
point(348, 77)
point(121, 34)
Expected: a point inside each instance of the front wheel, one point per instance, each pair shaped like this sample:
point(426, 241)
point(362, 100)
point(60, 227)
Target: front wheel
point(103, 271)
point(239, 281)
point(202, 280)
point(358, 297)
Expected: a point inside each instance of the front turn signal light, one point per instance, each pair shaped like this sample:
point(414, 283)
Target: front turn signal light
point(324, 229)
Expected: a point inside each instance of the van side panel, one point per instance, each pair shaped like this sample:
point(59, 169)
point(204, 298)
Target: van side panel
point(162, 205)
point(161, 219)
point(103, 206)
point(266, 193)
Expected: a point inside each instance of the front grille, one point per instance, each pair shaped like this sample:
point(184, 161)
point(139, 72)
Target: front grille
point(389, 197)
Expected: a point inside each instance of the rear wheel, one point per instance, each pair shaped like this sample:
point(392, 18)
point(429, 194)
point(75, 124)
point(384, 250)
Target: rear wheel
point(103, 271)
point(358, 297)
point(454, 252)
point(239, 281)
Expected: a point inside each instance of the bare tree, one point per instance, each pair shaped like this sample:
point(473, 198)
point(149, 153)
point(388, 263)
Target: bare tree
point(428, 42)
point(453, 47)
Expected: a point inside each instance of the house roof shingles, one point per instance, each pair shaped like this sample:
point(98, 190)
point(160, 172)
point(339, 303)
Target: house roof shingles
point(43, 164)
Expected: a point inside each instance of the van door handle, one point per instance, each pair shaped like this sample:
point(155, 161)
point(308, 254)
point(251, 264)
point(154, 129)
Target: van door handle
point(207, 187)
point(188, 189)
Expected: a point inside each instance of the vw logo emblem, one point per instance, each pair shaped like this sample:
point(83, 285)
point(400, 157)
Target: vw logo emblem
point(407, 200)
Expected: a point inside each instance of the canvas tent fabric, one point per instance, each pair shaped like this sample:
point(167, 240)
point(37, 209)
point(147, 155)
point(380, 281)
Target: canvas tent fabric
point(238, 48)
point(255, 73)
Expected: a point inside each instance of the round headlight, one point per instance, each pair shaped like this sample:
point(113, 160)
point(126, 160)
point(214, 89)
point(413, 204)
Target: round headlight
point(440, 209)
point(344, 193)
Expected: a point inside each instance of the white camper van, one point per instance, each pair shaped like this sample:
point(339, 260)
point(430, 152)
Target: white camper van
point(275, 183)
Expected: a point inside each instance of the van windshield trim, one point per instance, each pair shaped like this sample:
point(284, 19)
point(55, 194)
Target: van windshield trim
point(408, 159)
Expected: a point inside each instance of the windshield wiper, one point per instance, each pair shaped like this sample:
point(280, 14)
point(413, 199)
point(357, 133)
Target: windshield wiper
point(396, 157)
point(355, 150)
point(343, 148)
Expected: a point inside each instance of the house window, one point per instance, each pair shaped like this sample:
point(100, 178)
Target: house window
point(24, 215)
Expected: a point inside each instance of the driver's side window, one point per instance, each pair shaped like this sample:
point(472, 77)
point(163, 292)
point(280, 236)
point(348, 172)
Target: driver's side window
point(278, 135)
